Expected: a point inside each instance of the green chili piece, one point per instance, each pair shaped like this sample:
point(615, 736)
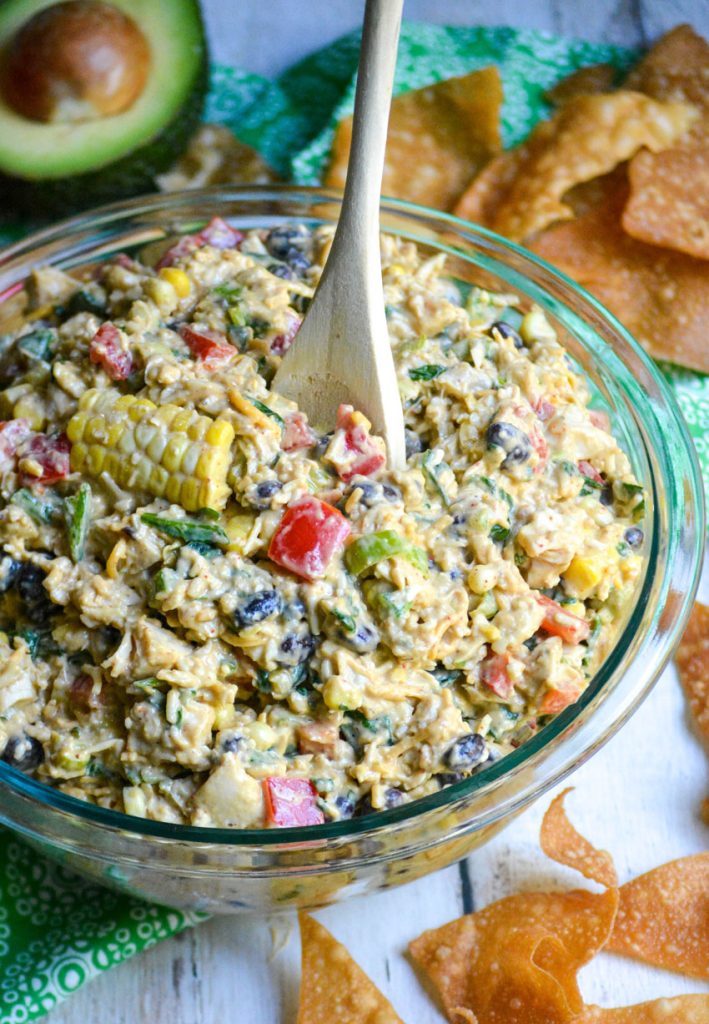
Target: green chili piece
point(427, 372)
point(38, 344)
point(186, 530)
point(267, 411)
point(500, 534)
point(78, 518)
point(366, 551)
point(42, 511)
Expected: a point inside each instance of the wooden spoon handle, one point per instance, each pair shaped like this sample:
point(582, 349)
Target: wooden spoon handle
point(375, 78)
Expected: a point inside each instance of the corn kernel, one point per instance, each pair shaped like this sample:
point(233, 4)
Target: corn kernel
point(178, 279)
point(536, 327)
point(339, 694)
point(30, 408)
point(238, 528)
point(134, 801)
point(482, 578)
point(583, 575)
point(261, 735)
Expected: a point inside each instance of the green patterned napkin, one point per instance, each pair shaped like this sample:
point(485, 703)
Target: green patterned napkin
point(57, 931)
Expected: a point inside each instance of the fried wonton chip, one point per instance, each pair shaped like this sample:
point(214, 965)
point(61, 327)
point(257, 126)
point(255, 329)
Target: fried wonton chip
point(661, 296)
point(676, 68)
point(680, 1010)
point(669, 197)
point(583, 82)
point(663, 917)
point(332, 986)
point(439, 137)
point(216, 157)
point(550, 935)
point(521, 192)
point(692, 659)
point(561, 842)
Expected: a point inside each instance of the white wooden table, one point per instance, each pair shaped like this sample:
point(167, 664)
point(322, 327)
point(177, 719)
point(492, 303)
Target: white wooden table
point(638, 797)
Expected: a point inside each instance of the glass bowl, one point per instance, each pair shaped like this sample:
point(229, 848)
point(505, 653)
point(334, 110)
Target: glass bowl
point(227, 870)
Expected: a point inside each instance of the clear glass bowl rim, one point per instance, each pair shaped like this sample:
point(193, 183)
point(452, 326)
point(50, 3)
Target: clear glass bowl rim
point(103, 218)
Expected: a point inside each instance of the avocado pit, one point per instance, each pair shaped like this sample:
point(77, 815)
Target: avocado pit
point(75, 61)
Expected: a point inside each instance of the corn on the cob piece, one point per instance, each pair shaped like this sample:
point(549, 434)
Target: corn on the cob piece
point(164, 450)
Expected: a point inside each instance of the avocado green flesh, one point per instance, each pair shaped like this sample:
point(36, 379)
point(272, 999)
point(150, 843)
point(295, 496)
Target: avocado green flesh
point(153, 130)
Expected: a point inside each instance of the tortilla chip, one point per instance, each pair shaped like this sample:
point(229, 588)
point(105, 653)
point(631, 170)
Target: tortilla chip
point(216, 157)
point(661, 296)
point(669, 199)
point(680, 1010)
point(332, 986)
point(676, 68)
point(586, 81)
point(550, 936)
point(587, 137)
point(559, 840)
point(439, 137)
point(663, 917)
point(692, 659)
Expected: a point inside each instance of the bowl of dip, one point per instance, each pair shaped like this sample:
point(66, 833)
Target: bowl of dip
point(246, 667)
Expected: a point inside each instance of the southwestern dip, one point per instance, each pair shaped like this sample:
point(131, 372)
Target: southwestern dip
point(216, 614)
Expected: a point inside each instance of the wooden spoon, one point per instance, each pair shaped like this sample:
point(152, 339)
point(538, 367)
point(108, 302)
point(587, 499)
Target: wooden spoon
point(342, 351)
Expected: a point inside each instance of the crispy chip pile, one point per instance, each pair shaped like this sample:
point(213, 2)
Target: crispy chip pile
point(661, 296)
point(333, 987)
point(587, 137)
point(669, 197)
point(693, 663)
point(663, 917)
point(439, 137)
point(515, 962)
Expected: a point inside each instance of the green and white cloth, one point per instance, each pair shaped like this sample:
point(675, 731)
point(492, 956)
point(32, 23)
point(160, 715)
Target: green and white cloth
point(58, 931)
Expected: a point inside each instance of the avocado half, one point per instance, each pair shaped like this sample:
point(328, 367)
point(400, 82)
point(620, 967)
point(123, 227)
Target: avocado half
point(59, 168)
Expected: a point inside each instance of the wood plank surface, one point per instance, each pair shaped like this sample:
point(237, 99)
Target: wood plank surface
point(638, 797)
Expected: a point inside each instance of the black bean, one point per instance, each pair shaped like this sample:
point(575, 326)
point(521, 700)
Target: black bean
point(606, 495)
point(111, 636)
point(393, 798)
point(449, 778)
point(283, 271)
point(511, 440)
point(30, 587)
point(23, 752)
point(506, 331)
point(364, 807)
point(258, 607)
point(232, 744)
point(298, 648)
point(364, 639)
point(322, 445)
point(391, 493)
point(281, 240)
point(268, 487)
point(467, 752)
point(634, 536)
point(414, 444)
point(345, 805)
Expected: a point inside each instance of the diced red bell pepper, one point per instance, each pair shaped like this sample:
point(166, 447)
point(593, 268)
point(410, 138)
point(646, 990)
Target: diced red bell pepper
point(217, 233)
point(51, 454)
point(291, 802)
point(12, 434)
point(282, 342)
point(558, 622)
point(555, 700)
point(588, 470)
point(296, 433)
point(367, 451)
point(105, 350)
point(541, 448)
point(599, 419)
point(209, 347)
point(544, 409)
point(495, 676)
point(308, 535)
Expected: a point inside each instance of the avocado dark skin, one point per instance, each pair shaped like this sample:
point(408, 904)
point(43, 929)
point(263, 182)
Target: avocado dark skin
point(37, 193)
